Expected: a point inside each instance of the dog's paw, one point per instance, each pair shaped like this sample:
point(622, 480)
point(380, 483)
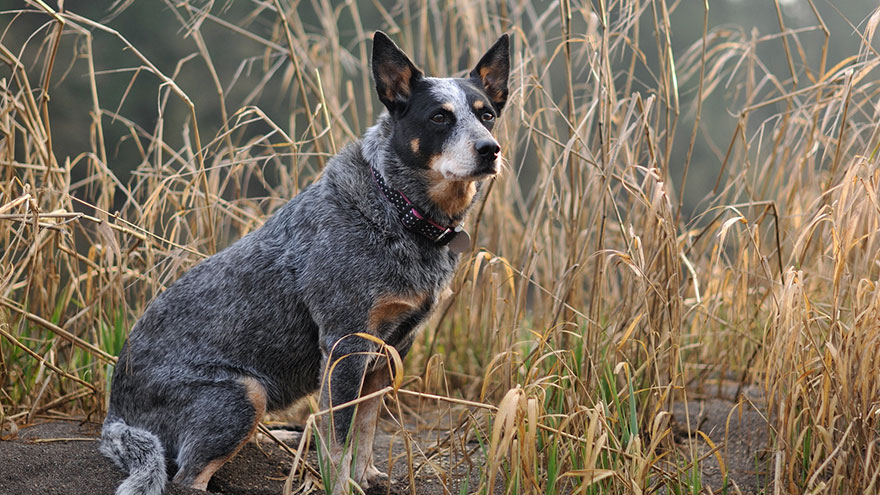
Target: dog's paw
point(373, 477)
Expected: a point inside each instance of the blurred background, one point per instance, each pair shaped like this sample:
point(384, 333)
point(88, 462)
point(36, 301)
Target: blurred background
point(688, 211)
point(248, 52)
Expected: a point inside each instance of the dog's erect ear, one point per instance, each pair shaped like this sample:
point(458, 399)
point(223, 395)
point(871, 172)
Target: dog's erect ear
point(393, 72)
point(493, 70)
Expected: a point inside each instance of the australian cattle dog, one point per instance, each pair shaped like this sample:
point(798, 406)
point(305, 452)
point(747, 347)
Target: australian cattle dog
point(367, 248)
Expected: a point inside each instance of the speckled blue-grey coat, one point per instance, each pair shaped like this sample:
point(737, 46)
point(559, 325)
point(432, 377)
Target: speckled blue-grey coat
point(251, 329)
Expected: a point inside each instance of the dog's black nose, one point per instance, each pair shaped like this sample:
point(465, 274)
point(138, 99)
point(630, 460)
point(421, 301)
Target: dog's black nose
point(487, 148)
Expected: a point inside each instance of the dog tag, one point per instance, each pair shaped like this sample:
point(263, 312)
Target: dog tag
point(461, 242)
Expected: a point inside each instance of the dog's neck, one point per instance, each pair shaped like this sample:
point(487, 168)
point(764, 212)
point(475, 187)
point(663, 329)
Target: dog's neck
point(375, 143)
point(377, 150)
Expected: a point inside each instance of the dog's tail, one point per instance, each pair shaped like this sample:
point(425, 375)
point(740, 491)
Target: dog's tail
point(137, 451)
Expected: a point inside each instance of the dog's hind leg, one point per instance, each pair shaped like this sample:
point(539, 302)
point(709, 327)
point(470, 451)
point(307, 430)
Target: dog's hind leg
point(222, 418)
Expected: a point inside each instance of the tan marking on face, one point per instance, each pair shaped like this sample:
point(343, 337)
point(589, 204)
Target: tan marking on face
point(392, 308)
point(388, 83)
point(449, 107)
point(452, 196)
point(478, 105)
point(397, 84)
point(414, 145)
point(257, 395)
point(492, 84)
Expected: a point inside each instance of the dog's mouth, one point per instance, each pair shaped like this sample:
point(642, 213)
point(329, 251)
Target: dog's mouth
point(486, 169)
point(480, 174)
point(482, 170)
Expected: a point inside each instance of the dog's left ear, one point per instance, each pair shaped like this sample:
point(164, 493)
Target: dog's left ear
point(493, 70)
point(394, 73)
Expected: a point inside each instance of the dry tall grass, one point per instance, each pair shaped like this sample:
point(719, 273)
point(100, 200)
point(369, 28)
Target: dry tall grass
point(592, 300)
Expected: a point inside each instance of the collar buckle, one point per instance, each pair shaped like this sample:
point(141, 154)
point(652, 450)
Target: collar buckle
point(441, 239)
point(448, 235)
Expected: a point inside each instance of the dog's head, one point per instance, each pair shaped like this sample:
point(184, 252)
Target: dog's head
point(443, 125)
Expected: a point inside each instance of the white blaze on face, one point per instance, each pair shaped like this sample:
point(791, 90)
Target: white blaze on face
point(458, 159)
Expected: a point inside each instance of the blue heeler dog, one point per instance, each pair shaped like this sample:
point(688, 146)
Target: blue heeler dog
point(367, 248)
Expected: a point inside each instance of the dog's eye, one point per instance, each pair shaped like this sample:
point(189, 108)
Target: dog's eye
point(438, 118)
point(488, 116)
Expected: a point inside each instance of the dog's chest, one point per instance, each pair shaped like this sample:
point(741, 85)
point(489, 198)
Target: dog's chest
point(397, 312)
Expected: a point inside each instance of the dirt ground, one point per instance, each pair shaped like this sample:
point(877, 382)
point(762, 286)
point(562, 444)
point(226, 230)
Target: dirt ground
point(63, 458)
point(740, 434)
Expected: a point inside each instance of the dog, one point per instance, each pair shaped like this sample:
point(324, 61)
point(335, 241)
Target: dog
point(367, 248)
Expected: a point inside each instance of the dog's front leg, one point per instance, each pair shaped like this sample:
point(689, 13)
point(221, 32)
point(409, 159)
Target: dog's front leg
point(365, 421)
point(344, 364)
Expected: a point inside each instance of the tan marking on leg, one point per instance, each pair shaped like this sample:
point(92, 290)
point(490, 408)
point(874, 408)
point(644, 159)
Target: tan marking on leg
point(257, 395)
point(452, 196)
point(392, 308)
point(414, 145)
point(479, 105)
point(201, 481)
